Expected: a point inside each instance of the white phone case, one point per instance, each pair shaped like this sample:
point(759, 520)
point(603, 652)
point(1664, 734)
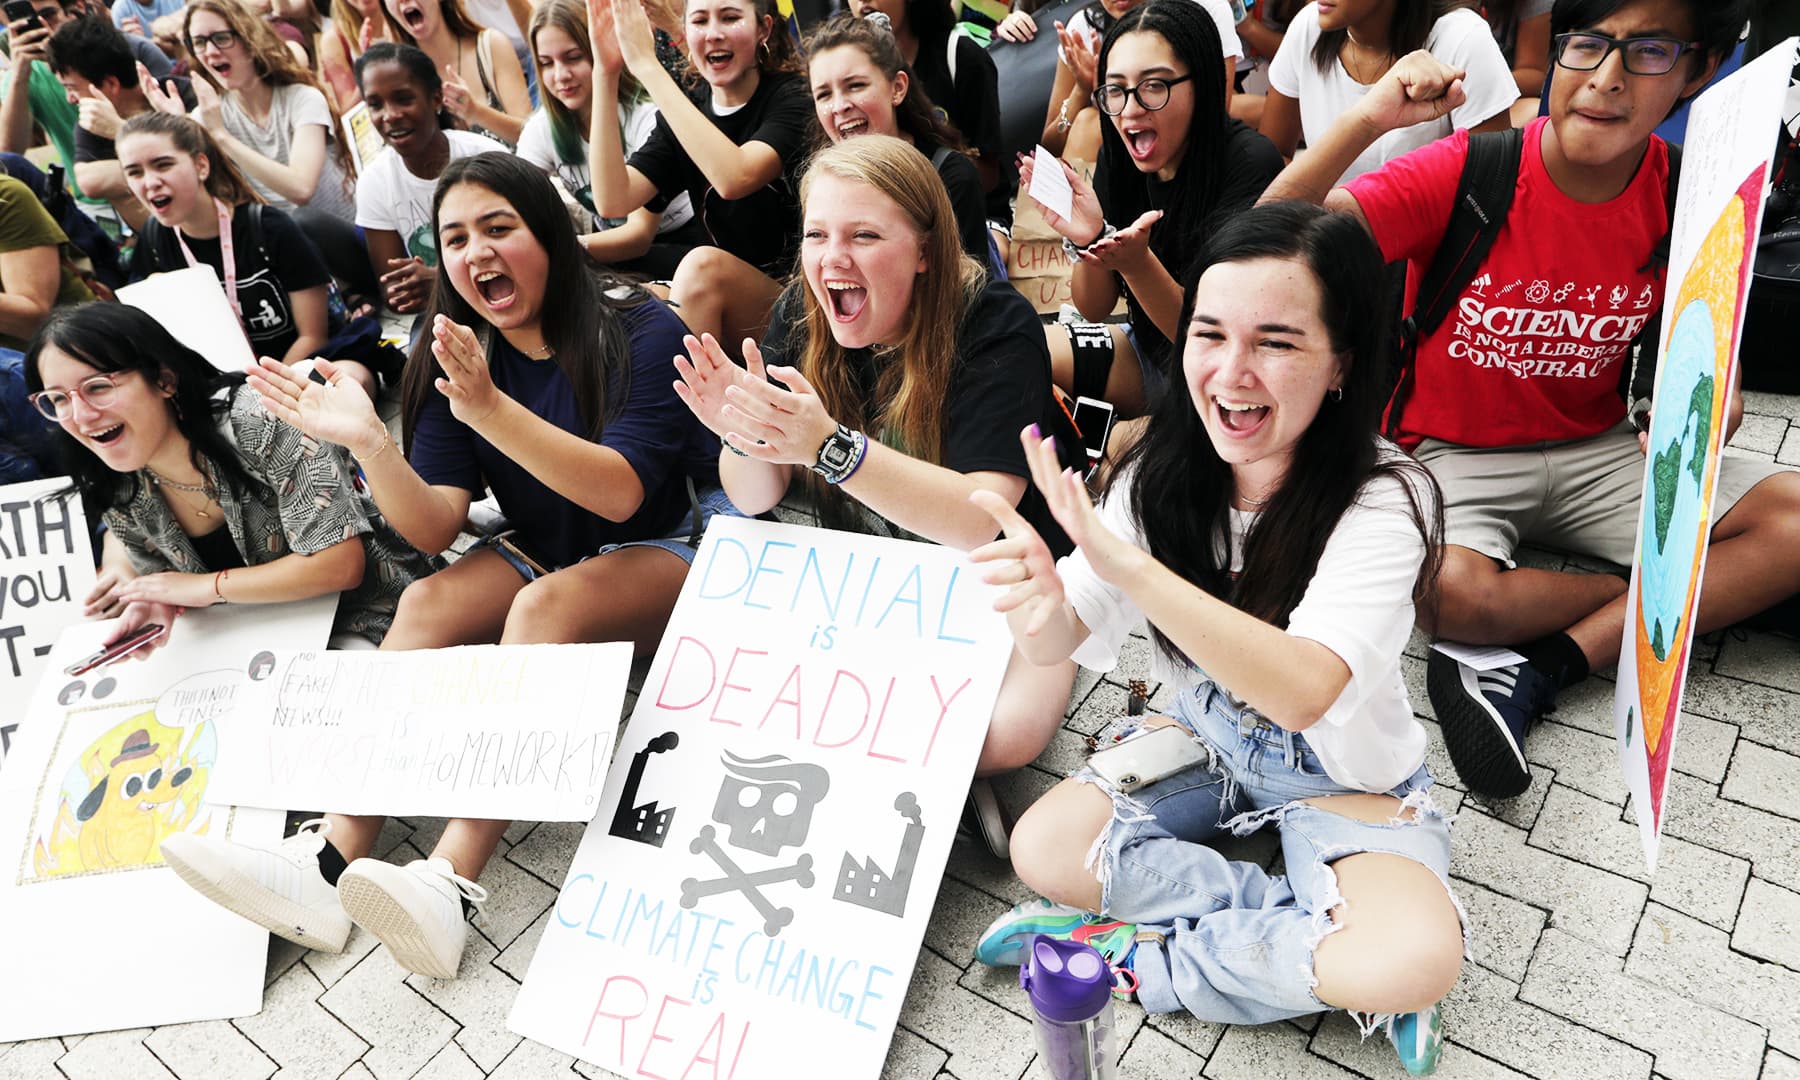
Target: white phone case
point(1145, 758)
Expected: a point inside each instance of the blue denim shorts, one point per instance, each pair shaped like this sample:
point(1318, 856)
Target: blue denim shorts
point(1156, 868)
point(683, 540)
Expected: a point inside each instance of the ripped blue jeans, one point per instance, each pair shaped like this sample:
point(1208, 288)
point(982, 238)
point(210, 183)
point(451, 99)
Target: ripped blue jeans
point(1237, 942)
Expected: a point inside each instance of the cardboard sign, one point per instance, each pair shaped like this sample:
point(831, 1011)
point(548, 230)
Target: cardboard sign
point(190, 304)
point(486, 731)
point(752, 897)
point(364, 141)
point(46, 569)
point(1724, 178)
point(106, 767)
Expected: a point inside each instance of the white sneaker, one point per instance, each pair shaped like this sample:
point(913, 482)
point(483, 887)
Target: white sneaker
point(415, 910)
point(280, 888)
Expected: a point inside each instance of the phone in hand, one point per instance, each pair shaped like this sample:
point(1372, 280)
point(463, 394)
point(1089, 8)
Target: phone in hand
point(119, 649)
point(24, 11)
point(1148, 756)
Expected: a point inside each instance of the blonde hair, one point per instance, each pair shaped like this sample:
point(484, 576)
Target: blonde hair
point(906, 410)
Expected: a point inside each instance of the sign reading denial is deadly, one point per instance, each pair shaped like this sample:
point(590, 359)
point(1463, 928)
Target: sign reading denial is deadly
point(778, 814)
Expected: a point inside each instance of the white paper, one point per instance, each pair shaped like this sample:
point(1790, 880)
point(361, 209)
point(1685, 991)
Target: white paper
point(485, 731)
point(1479, 657)
point(1712, 245)
point(751, 900)
point(101, 934)
point(46, 570)
point(1050, 186)
point(191, 304)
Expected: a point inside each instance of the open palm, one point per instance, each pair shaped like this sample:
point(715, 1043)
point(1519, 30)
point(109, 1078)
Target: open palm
point(336, 411)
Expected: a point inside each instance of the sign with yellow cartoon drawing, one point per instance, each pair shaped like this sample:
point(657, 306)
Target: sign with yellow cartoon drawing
point(104, 768)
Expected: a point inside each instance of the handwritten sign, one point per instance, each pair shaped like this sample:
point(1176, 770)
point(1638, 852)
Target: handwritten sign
point(1724, 178)
point(752, 897)
point(488, 731)
point(105, 768)
point(46, 569)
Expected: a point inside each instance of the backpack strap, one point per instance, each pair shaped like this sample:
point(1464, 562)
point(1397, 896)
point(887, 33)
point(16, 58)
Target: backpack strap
point(1484, 195)
point(940, 155)
point(957, 33)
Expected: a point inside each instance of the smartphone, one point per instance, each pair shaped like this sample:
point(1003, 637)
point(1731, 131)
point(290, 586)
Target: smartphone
point(22, 11)
point(125, 646)
point(1149, 756)
point(505, 543)
point(1094, 420)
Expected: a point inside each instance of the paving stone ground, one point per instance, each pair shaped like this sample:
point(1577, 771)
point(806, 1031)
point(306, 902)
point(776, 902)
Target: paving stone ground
point(1586, 967)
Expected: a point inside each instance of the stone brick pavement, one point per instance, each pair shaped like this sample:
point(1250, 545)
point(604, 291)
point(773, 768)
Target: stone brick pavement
point(1586, 967)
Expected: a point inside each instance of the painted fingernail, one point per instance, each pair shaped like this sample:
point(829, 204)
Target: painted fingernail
point(1036, 433)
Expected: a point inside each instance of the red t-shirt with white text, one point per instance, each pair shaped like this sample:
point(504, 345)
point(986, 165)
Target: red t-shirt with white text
point(1532, 350)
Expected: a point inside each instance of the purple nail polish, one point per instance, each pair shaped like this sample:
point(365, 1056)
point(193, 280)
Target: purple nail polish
point(1035, 433)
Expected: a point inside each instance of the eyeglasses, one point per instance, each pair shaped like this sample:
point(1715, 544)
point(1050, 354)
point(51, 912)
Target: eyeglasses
point(220, 40)
point(1152, 94)
point(97, 391)
point(1643, 55)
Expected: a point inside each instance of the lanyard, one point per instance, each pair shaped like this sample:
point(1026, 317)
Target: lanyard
point(227, 257)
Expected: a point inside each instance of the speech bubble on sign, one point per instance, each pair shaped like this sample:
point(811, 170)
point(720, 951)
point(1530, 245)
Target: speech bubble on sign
point(210, 695)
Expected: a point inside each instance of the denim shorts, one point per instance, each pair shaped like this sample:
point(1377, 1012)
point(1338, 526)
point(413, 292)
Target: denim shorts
point(1156, 867)
point(683, 540)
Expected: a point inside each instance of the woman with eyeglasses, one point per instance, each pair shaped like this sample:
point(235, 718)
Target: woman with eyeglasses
point(1333, 53)
point(215, 500)
point(1171, 158)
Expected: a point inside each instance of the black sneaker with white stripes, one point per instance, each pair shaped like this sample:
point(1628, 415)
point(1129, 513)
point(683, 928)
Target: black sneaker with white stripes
point(1484, 715)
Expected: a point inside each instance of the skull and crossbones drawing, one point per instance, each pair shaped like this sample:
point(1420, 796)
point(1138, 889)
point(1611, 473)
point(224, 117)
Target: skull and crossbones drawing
point(766, 805)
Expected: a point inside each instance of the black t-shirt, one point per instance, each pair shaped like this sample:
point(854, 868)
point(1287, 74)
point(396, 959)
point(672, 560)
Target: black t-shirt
point(91, 147)
point(963, 184)
point(270, 267)
point(999, 384)
point(762, 228)
point(972, 103)
point(1251, 163)
point(217, 550)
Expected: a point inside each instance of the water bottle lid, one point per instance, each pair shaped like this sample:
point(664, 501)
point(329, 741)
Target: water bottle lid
point(1067, 980)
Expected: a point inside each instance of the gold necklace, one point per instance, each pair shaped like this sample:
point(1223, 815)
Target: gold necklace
point(1357, 72)
point(205, 489)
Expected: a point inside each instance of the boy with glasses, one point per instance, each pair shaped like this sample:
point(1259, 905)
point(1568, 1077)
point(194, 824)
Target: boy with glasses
point(1514, 402)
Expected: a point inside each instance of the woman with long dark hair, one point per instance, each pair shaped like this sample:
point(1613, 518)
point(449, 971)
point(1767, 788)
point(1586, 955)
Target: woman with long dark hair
point(565, 412)
point(1172, 160)
point(1277, 548)
point(214, 500)
point(1331, 55)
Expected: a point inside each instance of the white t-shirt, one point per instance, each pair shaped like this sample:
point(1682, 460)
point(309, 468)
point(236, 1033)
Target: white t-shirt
point(292, 107)
point(636, 121)
point(1460, 38)
point(1358, 605)
point(1220, 10)
point(390, 197)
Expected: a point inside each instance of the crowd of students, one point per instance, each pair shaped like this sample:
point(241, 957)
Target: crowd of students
point(761, 300)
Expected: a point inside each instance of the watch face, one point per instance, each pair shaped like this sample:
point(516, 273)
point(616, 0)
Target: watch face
point(835, 454)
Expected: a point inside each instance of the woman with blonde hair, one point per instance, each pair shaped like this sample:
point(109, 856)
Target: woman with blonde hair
point(903, 373)
point(267, 113)
point(355, 25)
point(484, 83)
point(555, 139)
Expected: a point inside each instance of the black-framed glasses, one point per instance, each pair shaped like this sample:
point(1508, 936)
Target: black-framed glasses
point(218, 39)
point(96, 390)
point(1152, 94)
point(1643, 55)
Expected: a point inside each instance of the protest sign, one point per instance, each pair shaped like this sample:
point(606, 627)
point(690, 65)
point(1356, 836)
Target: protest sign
point(1724, 178)
point(364, 141)
point(190, 304)
point(487, 731)
point(752, 897)
point(46, 569)
point(102, 935)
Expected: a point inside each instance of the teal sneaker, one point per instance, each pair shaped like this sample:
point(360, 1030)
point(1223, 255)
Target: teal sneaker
point(1003, 943)
point(1419, 1040)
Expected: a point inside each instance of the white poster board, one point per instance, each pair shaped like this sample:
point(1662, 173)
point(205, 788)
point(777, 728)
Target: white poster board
point(46, 570)
point(751, 900)
point(485, 731)
point(190, 304)
point(1724, 179)
point(103, 936)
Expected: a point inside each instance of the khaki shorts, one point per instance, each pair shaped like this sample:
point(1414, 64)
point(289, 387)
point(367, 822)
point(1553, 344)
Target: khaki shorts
point(1581, 497)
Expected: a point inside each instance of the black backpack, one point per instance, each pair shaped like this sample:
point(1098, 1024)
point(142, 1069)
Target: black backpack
point(1484, 196)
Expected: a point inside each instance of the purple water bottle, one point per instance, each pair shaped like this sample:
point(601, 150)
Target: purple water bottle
point(1070, 987)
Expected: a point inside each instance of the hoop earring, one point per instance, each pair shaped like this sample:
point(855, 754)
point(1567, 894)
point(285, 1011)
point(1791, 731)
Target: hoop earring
point(763, 52)
point(1337, 393)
